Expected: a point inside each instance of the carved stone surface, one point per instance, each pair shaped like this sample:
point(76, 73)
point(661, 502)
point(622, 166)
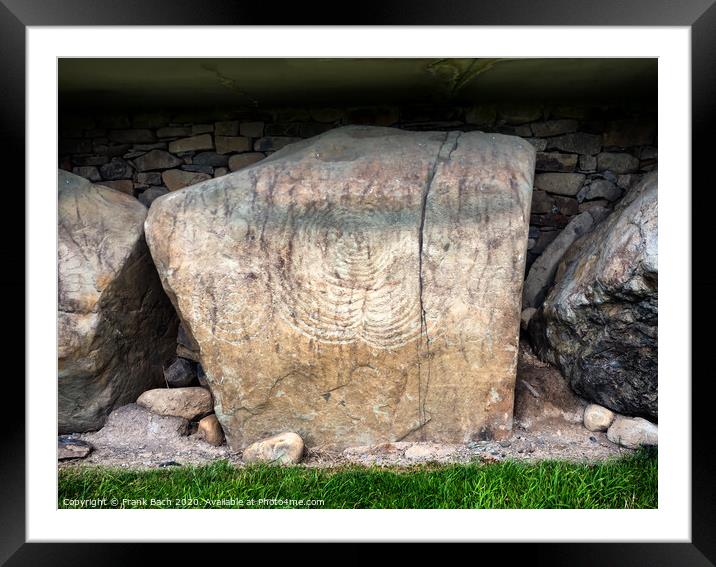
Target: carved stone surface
point(357, 287)
point(116, 327)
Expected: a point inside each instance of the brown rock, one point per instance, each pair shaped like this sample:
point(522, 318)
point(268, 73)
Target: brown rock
point(542, 203)
point(176, 179)
point(185, 352)
point(193, 144)
point(116, 327)
point(243, 160)
point(197, 129)
point(554, 127)
point(230, 144)
point(554, 161)
point(545, 203)
point(519, 113)
point(551, 220)
point(282, 449)
point(566, 205)
point(190, 403)
point(337, 313)
point(123, 185)
point(156, 159)
point(210, 430)
point(68, 448)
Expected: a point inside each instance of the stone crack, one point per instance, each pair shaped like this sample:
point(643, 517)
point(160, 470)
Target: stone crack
point(448, 146)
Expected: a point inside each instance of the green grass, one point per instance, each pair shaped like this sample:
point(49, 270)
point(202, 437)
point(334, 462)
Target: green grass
point(628, 482)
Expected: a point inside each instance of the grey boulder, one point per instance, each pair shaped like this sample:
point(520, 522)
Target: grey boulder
point(116, 327)
point(599, 322)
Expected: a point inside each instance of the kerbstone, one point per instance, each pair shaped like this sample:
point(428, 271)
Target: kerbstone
point(362, 286)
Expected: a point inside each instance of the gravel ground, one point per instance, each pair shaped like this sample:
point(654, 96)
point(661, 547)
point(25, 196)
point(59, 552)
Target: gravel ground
point(547, 425)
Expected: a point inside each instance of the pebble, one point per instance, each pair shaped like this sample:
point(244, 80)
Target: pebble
point(598, 418)
point(68, 448)
point(209, 430)
point(633, 432)
point(283, 449)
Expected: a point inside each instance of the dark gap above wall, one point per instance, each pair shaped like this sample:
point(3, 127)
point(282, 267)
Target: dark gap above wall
point(262, 83)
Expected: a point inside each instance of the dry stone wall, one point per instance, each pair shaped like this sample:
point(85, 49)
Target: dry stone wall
point(587, 156)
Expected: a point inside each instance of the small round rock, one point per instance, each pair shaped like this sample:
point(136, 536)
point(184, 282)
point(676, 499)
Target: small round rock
point(210, 430)
point(282, 449)
point(633, 432)
point(597, 418)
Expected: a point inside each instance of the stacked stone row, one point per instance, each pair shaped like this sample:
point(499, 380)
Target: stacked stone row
point(587, 156)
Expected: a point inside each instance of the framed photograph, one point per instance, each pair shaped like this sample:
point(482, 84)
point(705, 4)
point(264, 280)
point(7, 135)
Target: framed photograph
point(375, 251)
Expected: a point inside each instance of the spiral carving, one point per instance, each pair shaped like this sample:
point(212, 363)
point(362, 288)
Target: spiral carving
point(352, 274)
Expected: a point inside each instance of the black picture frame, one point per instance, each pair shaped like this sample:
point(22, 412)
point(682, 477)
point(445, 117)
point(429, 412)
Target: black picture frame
point(699, 15)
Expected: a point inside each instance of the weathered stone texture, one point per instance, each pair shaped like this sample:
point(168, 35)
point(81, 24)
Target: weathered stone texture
point(116, 328)
point(599, 322)
point(358, 287)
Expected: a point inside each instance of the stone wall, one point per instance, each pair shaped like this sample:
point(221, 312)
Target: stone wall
point(587, 155)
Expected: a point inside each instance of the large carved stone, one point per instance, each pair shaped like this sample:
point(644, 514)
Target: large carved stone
point(116, 327)
point(357, 287)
